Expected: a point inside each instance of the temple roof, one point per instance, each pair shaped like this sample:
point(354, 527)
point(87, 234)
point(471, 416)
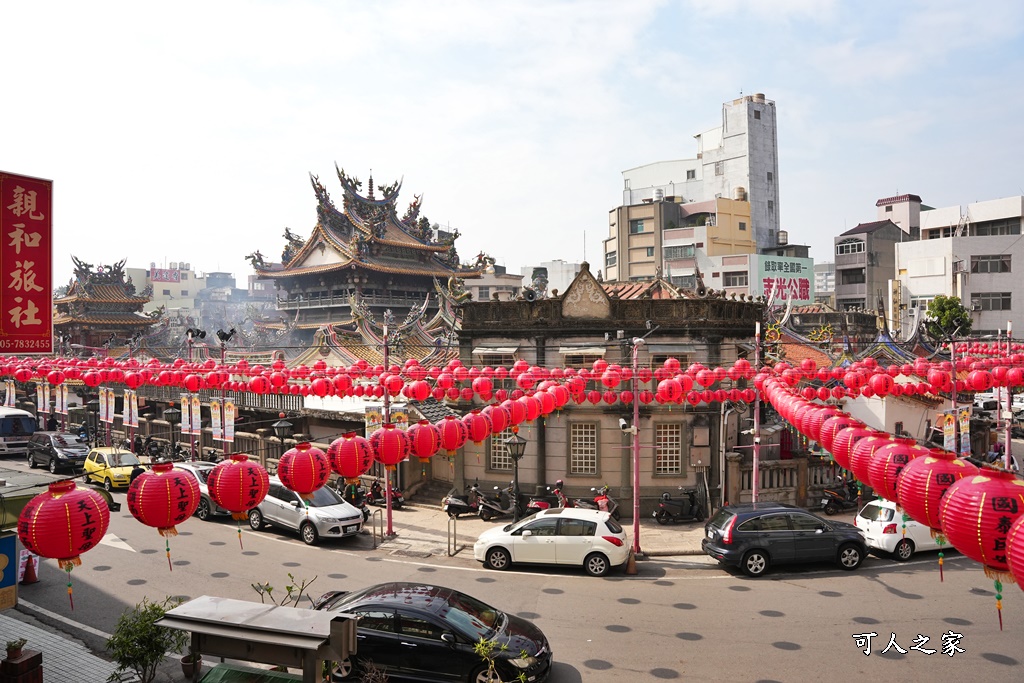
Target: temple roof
point(103, 318)
point(100, 294)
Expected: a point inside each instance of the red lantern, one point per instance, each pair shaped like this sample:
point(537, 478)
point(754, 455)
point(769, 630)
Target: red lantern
point(453, 433)
point(424, 440)
point(304, 469)
point(888, 463)
point(1015, 551)
point(63, 523)
point(350, 456)
point(499, 416)
point(831, 427)
point(390, 445)
point(238, 485)
point(846, 440)
point(670, 390)
point(163, 497)
point(977, 512)
point(478, 426)
point(924, 481)
point(864, 451)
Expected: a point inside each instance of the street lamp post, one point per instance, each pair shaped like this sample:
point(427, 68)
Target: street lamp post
point(516, 446)
point(173, 417)
point(282, 430)
point(635, 430)
point(92, 421)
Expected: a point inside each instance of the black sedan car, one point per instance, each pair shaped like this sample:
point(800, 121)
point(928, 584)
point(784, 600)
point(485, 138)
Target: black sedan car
point(57, 451)
point(429, 633)
point(755, 536)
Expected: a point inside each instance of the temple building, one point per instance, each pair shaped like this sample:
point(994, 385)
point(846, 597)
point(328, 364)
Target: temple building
point(360, 265)
point(101, 309)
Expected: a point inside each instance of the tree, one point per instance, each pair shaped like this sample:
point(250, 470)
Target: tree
point(138, 645)
point(946, 317)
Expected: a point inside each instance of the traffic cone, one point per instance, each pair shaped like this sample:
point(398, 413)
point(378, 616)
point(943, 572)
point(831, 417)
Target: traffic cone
point(30, 572)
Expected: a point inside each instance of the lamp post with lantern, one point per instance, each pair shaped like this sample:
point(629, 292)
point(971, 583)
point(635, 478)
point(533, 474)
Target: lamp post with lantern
point(282, 430)
point(173, 416)
point(516, 446)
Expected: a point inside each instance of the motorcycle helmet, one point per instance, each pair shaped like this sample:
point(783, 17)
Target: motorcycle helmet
point(559, 484)
point(666, 496)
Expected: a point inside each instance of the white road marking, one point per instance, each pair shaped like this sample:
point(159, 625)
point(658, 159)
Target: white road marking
point(115, 542)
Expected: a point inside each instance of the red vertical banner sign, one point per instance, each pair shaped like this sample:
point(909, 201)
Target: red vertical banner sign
point(26, 264)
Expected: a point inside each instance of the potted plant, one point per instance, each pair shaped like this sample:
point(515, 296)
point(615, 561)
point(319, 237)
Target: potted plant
point(14, 648)
point(191, 662)
point(138, 645)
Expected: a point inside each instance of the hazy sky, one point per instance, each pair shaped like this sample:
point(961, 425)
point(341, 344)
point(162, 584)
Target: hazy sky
point(187, 131)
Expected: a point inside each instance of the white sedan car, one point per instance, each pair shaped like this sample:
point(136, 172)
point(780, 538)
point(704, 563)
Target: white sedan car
point(563, 536)
point(883, 530)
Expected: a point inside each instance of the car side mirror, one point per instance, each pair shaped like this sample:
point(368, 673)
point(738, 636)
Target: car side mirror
point(294, 503)
point(819, 530)
point(527, 532)
point(448, 638)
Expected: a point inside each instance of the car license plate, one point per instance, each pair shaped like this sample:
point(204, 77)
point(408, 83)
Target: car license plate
point(350, 528)
point(711, 534)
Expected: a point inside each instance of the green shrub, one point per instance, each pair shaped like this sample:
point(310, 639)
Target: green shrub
point(138, 645)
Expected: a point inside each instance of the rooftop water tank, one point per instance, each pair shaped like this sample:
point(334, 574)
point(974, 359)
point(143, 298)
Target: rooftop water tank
point(783, 238)
point(740, 194)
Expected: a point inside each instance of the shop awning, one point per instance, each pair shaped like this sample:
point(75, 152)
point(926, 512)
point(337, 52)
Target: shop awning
point(581, 350)
point(488, 350)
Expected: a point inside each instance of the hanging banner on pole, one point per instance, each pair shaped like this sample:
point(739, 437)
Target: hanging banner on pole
point(111, 398)
point(39, 398)
point(186, 413)
point(9, 395)
point(965, 431)
point(229, 421)
point(134, 409)
point(197, 415)
point(103, 404)
point(374, 419)
point(400, 416)
point(63, 399)
point(46, 397)
point(215, 419)
point(948, 431)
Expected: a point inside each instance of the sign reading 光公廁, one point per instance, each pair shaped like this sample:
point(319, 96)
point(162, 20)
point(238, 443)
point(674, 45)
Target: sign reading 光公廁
point(789, 277)
point(26, 264)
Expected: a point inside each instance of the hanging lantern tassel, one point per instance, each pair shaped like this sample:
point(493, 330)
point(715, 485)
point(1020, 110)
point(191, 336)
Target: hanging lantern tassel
point(67, 568)
point(999, 602)
point(167, 549)
point(906, 518)
point(240, 547)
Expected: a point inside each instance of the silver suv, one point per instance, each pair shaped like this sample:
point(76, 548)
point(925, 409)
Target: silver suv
point(201, 469)
point(326, 514)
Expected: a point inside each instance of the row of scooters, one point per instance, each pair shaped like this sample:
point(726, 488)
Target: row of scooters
point(502, 502)
point(357, 496)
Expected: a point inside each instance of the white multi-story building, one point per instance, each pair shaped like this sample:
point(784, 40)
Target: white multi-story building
point(970, 254)
point(560, 274)
point(736, 160)
point(825, 283)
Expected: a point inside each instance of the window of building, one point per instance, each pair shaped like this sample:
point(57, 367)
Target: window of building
point(743, 225)
point(757, 114)
point(852, 276)
point(668, 444)
point(498, 457)
point(483, 293)
point(674, 253)
point(184, 292)
point(184, 276)
point(920, 301)
point(610, 259)
point(658, 359)
point(771, 206)
point(636, 227)
point(990, 301)
point(898, 428)
point(167, 292)
point(719, 168)
point(771, 177)
point(583, 448)
point(999, 263)
point(851, 246)
point(497, 360)
point(684, 281)
point(735, 279)
point(581, 360)
point(650, 251)
point(1007, 226)
point(691, 174)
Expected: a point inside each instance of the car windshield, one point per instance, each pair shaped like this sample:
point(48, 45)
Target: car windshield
point(873, 512)
point(201, 473)
point(521, 523)
point(123, 459)
point(67, 441)
point(325, 497)
point(471, 616)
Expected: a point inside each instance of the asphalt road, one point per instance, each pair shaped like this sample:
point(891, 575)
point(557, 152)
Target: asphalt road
point(678, 619)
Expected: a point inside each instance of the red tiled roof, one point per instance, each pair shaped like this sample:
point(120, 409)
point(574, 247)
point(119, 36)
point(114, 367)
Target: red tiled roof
point(898, 199)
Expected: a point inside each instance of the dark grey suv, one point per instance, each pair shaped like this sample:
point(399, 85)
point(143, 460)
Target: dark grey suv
point(57, 451)
point(754, 536)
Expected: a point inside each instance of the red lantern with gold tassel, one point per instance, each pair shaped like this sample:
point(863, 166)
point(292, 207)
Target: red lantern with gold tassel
point(499, 416)
point(424, 440)
point(453, 433)
point(62, 523)
point(977, 513)
point(864, 450)
point(831, 427)
point(163, 497)
point(350, 456)
point(1015, 550)
point(478, 426)
point(304, 469)
point(884, 468)
point(390, 445)
point(846, 439)
point(238, 485)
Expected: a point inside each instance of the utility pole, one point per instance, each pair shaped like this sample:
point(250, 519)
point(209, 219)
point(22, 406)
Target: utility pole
point(757, 414)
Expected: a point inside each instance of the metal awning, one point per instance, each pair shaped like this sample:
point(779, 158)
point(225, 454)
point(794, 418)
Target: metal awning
point(672, 348)
point(487, 350)
point(581, 350)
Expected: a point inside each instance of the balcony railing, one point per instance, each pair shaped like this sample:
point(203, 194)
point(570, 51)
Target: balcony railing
point(396, 300)
point(860, 259)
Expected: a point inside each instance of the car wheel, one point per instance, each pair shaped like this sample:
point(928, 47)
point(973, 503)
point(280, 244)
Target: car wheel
point(484, 675)
point(486, 515)
point(596, 564)
point(850, 556)
point(53, 466)
point(31, 461)
point(203, 511)
point(831, 508)
point(904, 550)
point(309, 534)
point(662, 517)
point(343, 670)
point(255, 519)
point(108, 485)
point(755, 563)
point(497, 558)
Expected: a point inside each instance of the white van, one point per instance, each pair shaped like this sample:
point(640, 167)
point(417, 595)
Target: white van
point(16, 429)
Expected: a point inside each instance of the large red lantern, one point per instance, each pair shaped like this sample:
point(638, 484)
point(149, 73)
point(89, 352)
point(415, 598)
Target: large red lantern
point(424, 440)
point(63, 522)
point(163, 496)
point(888, 463)
point(304, 469)
point(831, 427)
point(350, 456)
point(925, 480)
point(499, 416)
point(238, 485)
point(390, 445)
point(976, 514)
point(478, 426)
point(1015, 550)
point(864, 451)
point(453, 433)
point(844, 442)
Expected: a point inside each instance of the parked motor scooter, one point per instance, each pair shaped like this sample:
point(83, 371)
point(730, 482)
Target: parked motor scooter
point(375, 496)
point(686, 508)
point(601, 501)
point(541, 502)
point(495, 506)
point(354, 495)
point(842, 496)
point(456, 504)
